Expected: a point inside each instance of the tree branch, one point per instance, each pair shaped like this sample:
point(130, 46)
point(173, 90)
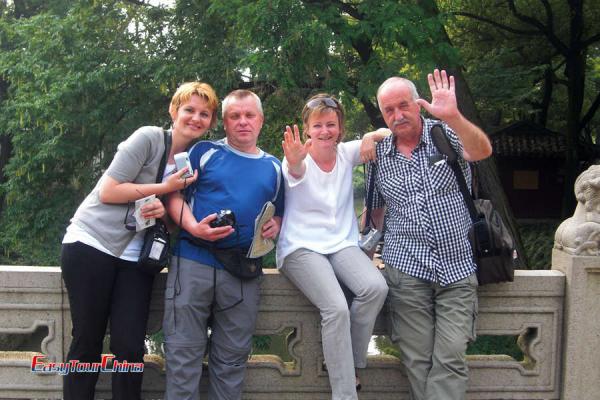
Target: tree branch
point(348, 9)
point(549, 15)
point(590, 40)
point(361, 43)
point(559, 65)
point(497, 24)
point(591, 111)
point(552, 38)
point(345, 7)
point(139, 3)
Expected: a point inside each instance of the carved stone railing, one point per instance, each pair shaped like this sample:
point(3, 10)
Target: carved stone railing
point(33, 302)
point(554, 313)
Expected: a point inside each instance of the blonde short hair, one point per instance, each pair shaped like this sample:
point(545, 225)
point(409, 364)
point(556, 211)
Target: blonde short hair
point(184, 93)
point(319, 104)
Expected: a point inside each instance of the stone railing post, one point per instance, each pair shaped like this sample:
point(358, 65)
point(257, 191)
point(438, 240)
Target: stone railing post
point(577, 254)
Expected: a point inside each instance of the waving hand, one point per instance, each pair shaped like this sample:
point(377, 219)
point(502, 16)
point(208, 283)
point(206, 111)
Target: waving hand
point(443, 96)
point(295, 151)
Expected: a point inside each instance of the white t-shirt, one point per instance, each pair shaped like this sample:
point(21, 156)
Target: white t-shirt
point(319, 207)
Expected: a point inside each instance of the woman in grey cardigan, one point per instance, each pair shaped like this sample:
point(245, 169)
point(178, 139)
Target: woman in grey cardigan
point(99, 255)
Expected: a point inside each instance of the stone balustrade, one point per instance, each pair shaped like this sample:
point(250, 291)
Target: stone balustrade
point(554, 314)
point(533, 307)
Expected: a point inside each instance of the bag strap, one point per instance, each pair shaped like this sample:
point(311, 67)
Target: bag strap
point(279, 180)
point(161, 169)
point(163, 161)
point(369, 196)
point(442, 143)
point(159, 176)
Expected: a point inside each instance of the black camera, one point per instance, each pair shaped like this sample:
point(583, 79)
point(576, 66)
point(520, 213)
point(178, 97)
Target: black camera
point(224, 218)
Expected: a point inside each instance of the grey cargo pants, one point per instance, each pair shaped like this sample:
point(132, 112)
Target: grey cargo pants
point(188, 301)
point(432, 325)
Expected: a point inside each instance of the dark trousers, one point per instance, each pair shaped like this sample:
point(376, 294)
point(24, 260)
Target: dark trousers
point(103, 288)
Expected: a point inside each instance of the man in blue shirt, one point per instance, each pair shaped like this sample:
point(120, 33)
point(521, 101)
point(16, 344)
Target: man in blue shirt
point(233, 174)
point(428, 260)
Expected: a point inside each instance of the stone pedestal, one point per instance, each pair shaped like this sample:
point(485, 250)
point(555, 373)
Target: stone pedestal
point(581, 346)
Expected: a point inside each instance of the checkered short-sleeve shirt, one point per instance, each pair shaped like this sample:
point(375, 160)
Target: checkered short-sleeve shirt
point(426, 219)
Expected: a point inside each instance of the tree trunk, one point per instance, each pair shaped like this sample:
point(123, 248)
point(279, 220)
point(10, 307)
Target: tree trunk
point(575, 73)
point(547, 96)
point(373, 113)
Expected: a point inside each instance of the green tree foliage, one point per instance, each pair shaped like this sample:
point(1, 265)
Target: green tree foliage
point(16, 10)
point(83, 76)
point(287, 50)
point(77, 77)
point(79, 84)
point(347, 48)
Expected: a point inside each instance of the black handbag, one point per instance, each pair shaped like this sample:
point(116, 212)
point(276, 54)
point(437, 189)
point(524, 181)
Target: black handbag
point(493, 247)
point(155, 250)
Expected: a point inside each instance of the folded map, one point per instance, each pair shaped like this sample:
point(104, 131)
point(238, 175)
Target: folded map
point(261, 246)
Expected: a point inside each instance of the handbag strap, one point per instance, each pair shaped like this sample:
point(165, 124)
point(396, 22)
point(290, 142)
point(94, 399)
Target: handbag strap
point(442, 143)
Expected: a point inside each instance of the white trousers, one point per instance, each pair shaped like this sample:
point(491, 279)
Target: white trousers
point(345, 332)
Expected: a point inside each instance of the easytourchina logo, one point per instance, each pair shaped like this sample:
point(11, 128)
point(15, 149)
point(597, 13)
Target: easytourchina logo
point(108, 363)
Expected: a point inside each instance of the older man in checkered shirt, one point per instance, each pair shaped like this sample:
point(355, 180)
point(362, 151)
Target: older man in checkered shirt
point(428, 260)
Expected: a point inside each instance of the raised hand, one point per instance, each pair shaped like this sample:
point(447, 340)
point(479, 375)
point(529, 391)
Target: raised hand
point(443, 97)
point(295, 152)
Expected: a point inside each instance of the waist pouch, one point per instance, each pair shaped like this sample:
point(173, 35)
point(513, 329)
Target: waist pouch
point(233, 259)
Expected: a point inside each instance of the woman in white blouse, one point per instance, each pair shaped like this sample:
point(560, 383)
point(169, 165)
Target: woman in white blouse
point(318, 242)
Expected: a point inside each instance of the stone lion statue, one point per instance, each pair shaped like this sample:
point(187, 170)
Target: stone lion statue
point(580, 234)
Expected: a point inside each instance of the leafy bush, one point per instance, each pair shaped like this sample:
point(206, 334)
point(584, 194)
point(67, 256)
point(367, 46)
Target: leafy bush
point(538, 240)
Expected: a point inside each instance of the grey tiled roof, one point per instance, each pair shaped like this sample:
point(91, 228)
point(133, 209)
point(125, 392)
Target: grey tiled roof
point(525, 139)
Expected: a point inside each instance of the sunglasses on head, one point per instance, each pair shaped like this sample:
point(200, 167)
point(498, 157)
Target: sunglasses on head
point(327, 101)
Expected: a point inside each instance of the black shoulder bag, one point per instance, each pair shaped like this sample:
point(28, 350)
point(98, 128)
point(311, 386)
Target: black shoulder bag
point(493, 246)
point(155, 250)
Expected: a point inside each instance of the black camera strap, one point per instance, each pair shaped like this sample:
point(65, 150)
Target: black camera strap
point(441, 142)
point(369, 197)
point(159, 175)
point(163, 161)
